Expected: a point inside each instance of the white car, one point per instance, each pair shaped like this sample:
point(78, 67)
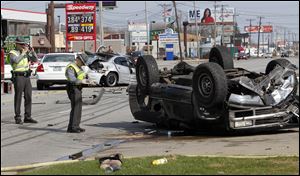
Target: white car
point(110, 69)
point(51, 69)
point(7, 71)
point(268, 55)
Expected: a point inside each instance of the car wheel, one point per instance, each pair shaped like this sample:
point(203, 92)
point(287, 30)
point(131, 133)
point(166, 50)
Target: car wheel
point(209, 85)
point(40, 86)
point(111, 79)
point(140, 106)
point(221, 56)
point(146, 72)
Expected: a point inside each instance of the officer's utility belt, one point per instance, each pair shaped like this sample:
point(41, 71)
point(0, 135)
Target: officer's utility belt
point(25, 74)
point(72, 85)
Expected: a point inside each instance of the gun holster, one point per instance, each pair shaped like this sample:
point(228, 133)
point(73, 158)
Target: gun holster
point(13, 76)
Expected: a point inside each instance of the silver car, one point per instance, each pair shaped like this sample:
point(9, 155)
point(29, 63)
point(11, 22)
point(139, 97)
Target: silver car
point(109, 69)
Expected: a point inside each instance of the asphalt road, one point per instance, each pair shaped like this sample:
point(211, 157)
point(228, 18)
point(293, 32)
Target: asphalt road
point(110, 128)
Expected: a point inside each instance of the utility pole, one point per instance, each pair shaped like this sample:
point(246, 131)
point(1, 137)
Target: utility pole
point(269, 23)
point(147, 27)
point(101, 23)
point(215, 24)
point(259, 26)
point(174, 4)
point(197, 32)
point(222, 14)
point(250, 25)
point(284, 36)
point(52, 27)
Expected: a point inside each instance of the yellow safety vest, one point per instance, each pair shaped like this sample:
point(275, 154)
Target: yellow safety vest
point(80, 75)
point(22, 66)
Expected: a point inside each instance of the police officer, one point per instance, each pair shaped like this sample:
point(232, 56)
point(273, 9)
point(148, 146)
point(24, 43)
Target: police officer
point(76, 77)
point(19, 60)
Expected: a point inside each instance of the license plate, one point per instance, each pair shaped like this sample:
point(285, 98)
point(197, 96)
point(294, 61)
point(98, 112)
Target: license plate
point(57, 69)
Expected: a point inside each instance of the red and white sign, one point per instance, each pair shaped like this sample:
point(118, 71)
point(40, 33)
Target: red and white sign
point(83, 37)
point(82, 7)
point(253, 29)
point(80, 22)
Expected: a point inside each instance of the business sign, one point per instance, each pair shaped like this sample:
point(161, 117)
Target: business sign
point(139, 37)
point(154, 34)
point(104, 3)
point(137, 27)
point(226, 39)
point(226, 15)
point(81, 22)
point(168, 38)
point(253, 29)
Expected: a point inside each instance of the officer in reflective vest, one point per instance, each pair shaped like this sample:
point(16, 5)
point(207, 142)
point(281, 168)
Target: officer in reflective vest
point(76, 77)
point(19, 60)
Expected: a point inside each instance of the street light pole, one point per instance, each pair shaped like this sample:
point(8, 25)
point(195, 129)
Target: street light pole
point(176, 16)
point(250, 25)
point(258, 35)
point(147, 27)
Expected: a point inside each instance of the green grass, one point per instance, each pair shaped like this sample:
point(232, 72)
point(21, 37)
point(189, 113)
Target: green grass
point(182, 165)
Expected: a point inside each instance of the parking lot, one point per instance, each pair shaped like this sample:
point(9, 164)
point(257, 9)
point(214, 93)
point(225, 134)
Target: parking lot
point(111, 128)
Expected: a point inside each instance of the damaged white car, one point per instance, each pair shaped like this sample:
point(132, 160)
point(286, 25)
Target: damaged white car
point(109, 69)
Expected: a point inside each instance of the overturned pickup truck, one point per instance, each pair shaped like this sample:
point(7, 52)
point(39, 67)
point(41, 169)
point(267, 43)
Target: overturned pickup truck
point(215, 94)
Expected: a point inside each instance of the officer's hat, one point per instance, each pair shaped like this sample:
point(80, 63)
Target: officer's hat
point(20, 40)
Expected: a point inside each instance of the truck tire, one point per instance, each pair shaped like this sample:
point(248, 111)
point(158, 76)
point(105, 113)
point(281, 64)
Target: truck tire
point(210, 85)
point(146, 72)
point(221, 56)
point(141, 110)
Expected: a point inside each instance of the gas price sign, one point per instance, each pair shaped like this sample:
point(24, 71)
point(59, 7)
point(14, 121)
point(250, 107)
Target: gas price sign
point(81, 21)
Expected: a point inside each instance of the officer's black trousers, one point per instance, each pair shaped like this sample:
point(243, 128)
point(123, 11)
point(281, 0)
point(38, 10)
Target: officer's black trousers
point(22, 84)
point(75, 96)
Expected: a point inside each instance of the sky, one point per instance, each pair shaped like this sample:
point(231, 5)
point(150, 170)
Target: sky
point(280, 14)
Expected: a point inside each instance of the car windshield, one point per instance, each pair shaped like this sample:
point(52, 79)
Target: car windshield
point(59, 58)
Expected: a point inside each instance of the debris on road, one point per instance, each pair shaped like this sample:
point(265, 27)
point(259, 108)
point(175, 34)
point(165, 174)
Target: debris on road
point(39, 103)
point(62, 102)
point(52, 124)
point(95, 98)
point(111, 163)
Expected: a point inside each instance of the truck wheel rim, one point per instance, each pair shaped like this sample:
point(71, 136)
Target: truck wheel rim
point(205, 85)
point(142, 75)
